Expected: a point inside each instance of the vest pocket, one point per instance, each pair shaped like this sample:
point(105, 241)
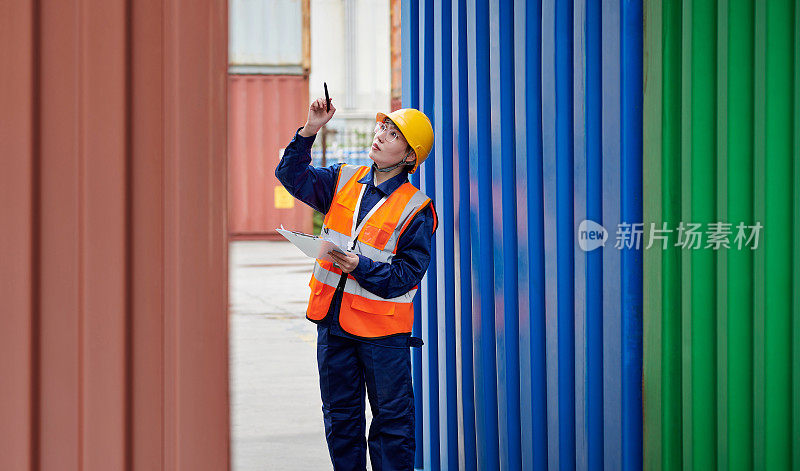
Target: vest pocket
point(340, 217)
point(370, 306)
point(376, 236)
point(320, 300)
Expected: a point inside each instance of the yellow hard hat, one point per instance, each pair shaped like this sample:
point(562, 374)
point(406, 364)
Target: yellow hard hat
point(416, 128)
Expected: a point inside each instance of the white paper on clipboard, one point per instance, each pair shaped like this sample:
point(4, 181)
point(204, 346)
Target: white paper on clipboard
point(311, 245)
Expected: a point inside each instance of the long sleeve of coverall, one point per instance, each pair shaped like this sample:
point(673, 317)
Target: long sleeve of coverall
point(316, 187)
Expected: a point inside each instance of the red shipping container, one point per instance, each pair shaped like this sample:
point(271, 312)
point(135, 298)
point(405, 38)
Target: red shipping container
point(114, 251)
point(264, 112)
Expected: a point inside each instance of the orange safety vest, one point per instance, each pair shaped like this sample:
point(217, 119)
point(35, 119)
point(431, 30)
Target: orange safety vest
point(363, 313)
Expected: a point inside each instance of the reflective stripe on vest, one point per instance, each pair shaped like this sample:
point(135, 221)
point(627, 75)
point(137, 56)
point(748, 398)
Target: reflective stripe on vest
point(364, 313)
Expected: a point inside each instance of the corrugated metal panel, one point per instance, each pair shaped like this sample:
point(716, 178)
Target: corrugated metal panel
point(265, 111)
point(18, 347)
point(721, 363)
point(546, 339)
point(266, 33)
point(395, 49)
point(114, 305)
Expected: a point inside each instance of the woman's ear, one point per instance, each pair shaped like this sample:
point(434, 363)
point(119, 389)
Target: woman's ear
point(413, 156)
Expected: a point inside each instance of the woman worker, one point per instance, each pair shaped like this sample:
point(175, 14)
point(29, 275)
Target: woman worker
point(361, 301)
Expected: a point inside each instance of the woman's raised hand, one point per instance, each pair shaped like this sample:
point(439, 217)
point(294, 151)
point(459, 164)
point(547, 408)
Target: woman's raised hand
point(317, 116)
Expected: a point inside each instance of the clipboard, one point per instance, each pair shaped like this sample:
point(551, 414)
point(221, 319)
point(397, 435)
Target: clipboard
point(311, 245)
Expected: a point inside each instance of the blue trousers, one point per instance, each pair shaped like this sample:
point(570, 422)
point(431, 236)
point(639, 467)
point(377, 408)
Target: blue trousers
point(346, 366)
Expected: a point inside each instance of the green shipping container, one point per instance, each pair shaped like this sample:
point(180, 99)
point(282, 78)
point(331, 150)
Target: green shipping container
point(722, 327)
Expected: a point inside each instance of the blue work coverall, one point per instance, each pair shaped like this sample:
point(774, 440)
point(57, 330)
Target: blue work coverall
point(347, 363)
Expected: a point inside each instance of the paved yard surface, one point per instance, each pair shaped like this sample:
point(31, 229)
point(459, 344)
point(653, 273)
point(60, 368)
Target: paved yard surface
point(276, 410)
point(276, 415)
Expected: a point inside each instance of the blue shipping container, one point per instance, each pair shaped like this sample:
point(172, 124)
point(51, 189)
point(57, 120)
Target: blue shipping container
point(533, 346)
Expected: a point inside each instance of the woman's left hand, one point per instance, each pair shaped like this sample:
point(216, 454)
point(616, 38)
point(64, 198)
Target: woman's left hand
point(347, 261)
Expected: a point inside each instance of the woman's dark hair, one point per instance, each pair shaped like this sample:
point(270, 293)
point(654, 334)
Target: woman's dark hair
point(410, 167)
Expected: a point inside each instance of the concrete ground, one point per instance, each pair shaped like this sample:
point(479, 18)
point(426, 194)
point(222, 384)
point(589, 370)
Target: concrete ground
point(276, 410)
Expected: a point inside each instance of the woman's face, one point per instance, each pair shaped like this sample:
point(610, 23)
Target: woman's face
point(388, 145)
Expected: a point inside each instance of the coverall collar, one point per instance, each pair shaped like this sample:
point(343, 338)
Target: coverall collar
point(387, 187)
